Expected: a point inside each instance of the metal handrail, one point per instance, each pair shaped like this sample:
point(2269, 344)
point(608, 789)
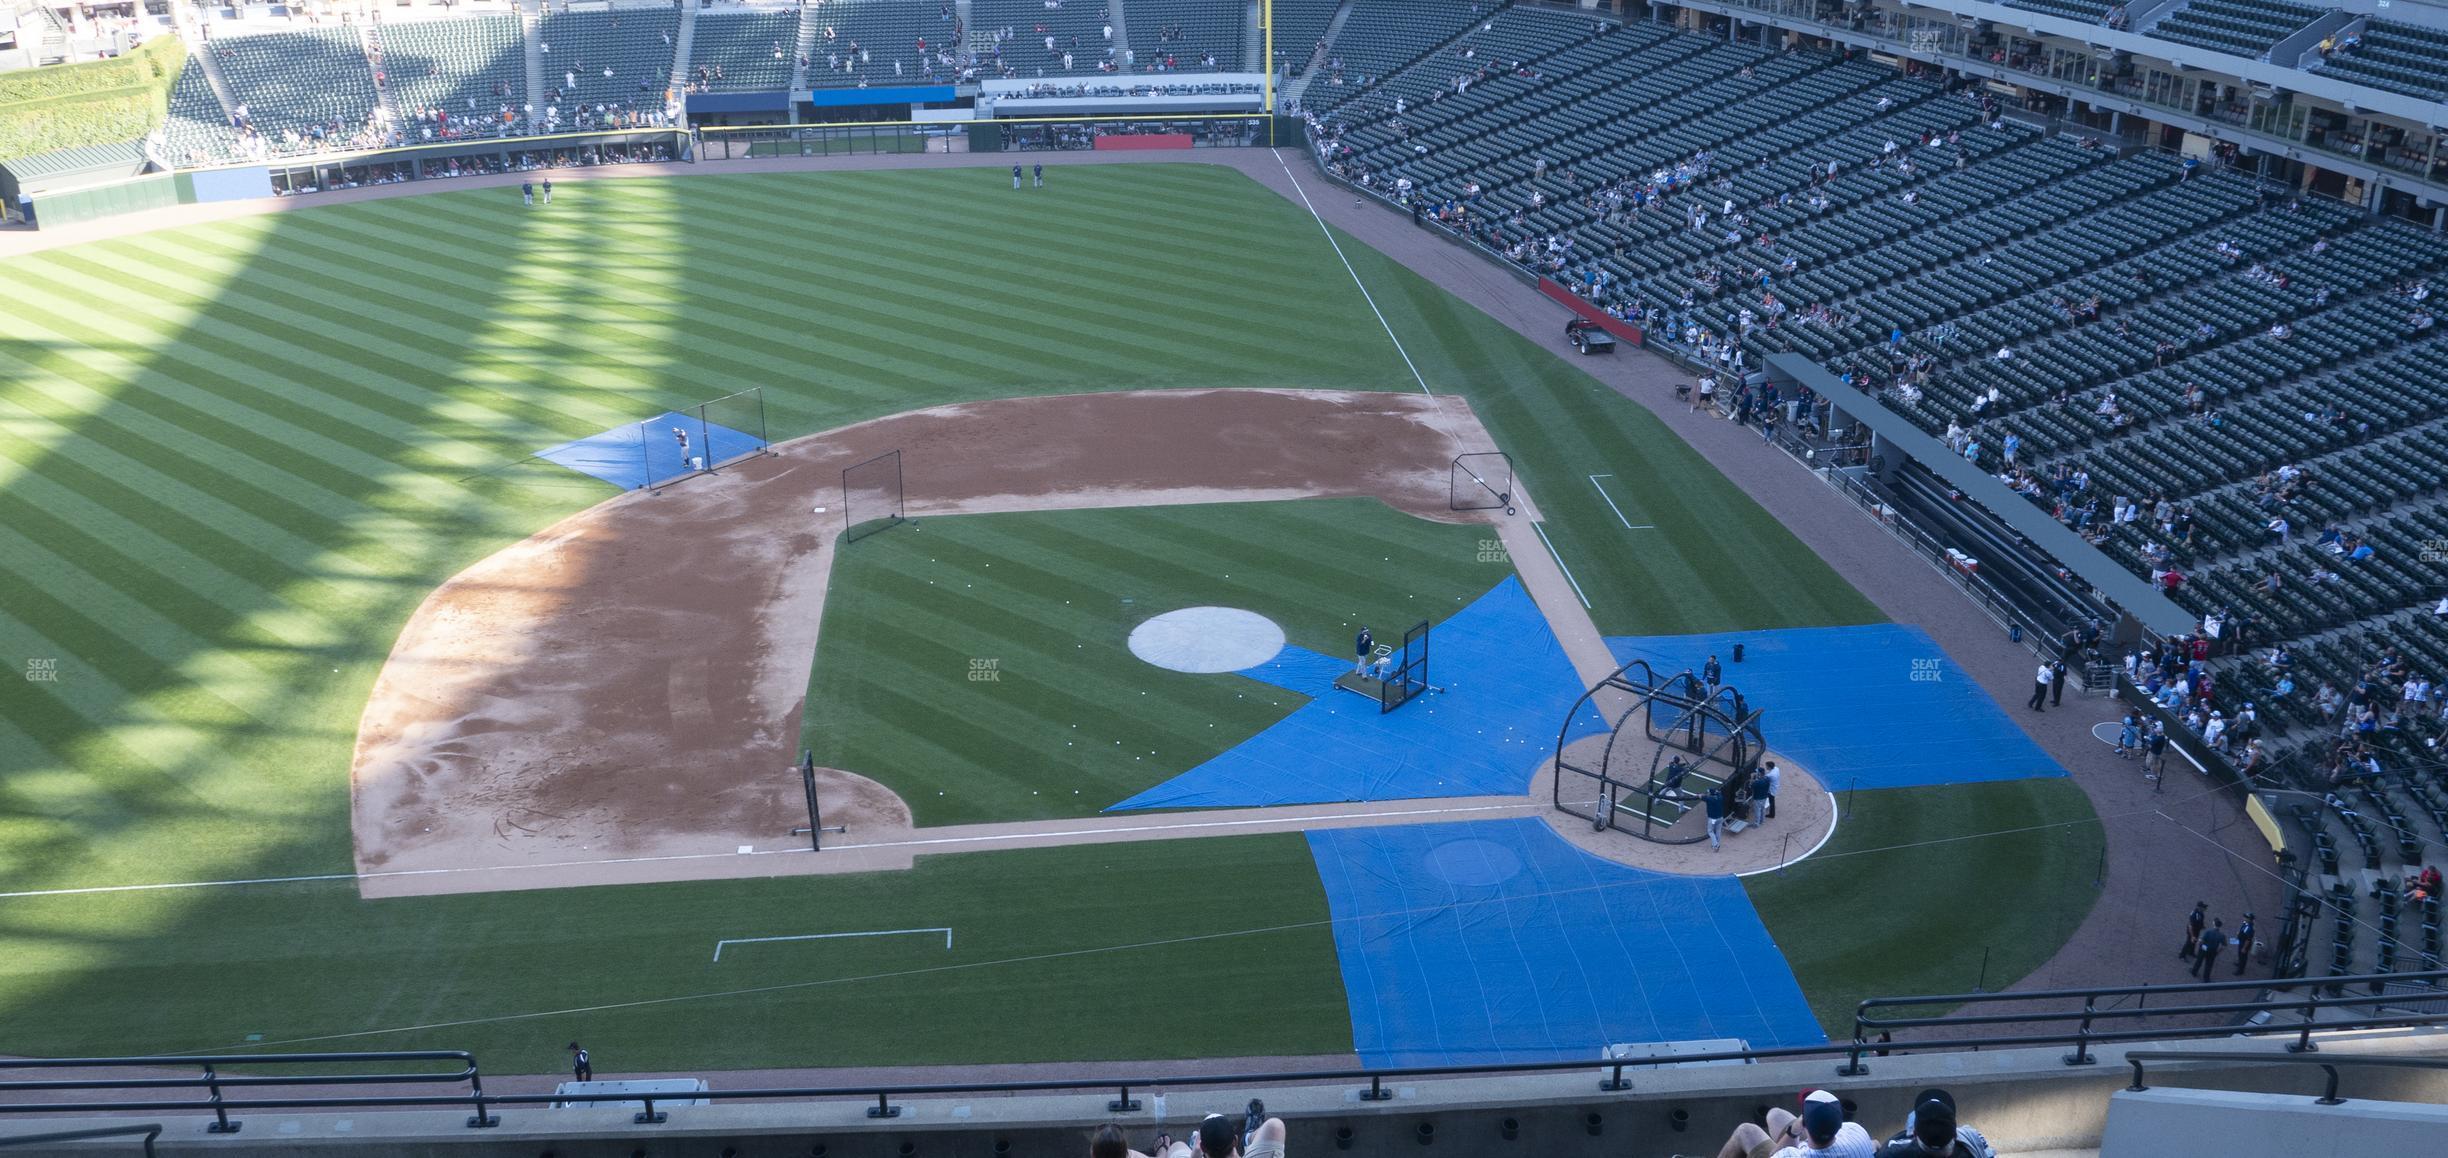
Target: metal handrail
point(150, 1131)
point(2330, 1065)
point(2310, 1005)
point(1850, 1053)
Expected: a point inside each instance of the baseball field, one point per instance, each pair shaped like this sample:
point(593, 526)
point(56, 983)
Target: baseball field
point(243, 465)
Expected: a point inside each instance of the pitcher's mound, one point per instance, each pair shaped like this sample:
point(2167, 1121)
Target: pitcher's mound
point(1207, 639)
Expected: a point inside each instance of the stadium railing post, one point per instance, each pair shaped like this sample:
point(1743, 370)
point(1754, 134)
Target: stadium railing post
point(221, 1123)
point(2082, 1034)
point(649, 1116)
point(883, 1107)
point(2303, 1042)
point(1124, 1104)
point(480, 1120)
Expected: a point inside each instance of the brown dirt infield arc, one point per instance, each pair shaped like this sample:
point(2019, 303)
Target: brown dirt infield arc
point(617, 698)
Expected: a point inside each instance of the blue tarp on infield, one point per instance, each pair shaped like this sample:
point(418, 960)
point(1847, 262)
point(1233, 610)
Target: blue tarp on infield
point(642, 453)
point(1496, 941)
point(1875, 706)
point(1508, 686)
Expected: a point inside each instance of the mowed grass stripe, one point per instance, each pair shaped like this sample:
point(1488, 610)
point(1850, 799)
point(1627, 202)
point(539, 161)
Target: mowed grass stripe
point(866, 311)
point(1071, 721)
point(385, 375)
point(250, 402)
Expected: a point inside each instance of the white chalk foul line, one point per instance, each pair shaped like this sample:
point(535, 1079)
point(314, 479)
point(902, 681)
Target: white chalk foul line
point(981, 838)
point(1610, 502)
point(1559, 558)
point(1355, 274)
point(718, 945)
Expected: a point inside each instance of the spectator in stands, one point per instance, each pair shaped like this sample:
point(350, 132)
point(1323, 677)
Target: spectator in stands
point(1820, 1129)
point(1255, 1136)
point(1932, 1129)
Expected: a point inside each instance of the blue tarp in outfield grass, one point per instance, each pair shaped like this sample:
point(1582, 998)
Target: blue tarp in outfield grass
point(638, 454)
point(1508, 686)
point(1876, 706)
point(1496, 941)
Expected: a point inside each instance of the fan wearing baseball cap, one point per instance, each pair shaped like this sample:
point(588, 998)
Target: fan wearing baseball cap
point(1932, 1132)
point(1819, 1131)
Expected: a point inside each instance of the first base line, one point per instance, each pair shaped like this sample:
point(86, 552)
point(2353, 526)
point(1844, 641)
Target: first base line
point(718, 945)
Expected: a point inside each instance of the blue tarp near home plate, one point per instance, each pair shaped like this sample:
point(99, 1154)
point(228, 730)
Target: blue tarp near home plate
point(1508, 685)
point(1875, 706)
point(1497, 941)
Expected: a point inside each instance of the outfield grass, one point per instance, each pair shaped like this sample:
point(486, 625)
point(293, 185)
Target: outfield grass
point(234, 457)
point(1912, 895)
point(1072, 721)
point(1082, 953)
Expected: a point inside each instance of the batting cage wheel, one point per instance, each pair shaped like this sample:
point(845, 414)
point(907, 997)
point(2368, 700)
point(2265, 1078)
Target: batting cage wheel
point(1480, 481)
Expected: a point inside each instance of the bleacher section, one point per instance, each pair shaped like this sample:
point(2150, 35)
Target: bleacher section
point(2087, 11)
point(301, 89)
point(871, 37)
point(1078, 27)
point(2403, 58)
point(1299, 25)
point(197, 129)
point(1380, 38)
point(471, 68)
point(740, 42)
point(1186, 31)
point(633, 44)
point(2240, 27)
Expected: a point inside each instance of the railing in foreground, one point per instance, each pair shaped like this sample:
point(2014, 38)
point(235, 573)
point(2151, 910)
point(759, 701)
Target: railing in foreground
point(149, 1131)
point(217, 1099)
point(2329, 1095)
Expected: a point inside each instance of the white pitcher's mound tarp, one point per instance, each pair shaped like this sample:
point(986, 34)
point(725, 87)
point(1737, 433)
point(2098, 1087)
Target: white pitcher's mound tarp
point(1207, 639)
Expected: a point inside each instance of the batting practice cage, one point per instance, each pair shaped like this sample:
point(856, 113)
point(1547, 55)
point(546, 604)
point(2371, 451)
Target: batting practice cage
point(1651, 779)
point(1394, 677)
point(1481, 481)
point(872, 497)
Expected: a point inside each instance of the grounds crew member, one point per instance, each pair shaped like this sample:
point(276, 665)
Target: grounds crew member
point(1364, 643)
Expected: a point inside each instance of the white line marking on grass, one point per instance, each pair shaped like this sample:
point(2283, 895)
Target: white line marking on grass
point(981, 838)
point(1552, 553)
point(718, 945)
point(984, 838)
point(1835, 816)
point(1610, 501)
point(1355, 274)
